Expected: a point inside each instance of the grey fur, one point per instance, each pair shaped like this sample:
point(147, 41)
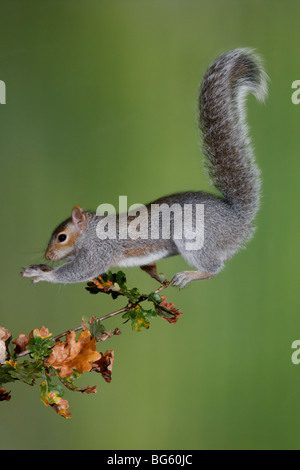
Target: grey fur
point(227, 219)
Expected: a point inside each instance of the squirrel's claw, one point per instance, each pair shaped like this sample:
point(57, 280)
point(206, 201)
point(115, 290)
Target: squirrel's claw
point(39, 272)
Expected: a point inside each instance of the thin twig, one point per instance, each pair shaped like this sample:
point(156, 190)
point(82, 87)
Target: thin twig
point(109, 315)
point(117, 312)
point(78, 328)
point(55, 338)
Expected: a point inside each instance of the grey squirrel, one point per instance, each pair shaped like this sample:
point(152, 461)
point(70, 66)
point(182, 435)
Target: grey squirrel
point(227, 218)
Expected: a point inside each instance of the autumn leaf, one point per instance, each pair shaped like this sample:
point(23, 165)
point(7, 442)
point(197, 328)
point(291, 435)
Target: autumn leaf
point(110, 283)
point(21, 342)
point(168, 311)
point(103, 285)
point(72, 354)
point(4, 334)
point(51, 396)
point(87, 389)
point(43, 332)
point(104, 365)
point(108, 334)
point(61, 406)
point(4, 394)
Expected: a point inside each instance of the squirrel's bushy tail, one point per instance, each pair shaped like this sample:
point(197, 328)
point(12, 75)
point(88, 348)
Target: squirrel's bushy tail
point(231, 164)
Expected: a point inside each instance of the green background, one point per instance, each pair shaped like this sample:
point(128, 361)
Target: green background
point(101, 102)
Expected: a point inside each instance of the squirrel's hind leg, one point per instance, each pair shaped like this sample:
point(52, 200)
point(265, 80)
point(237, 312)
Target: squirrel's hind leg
point(181, 279)
point(152, 271)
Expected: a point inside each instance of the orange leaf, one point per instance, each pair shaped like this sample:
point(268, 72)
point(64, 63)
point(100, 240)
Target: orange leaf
point(171, 307)
point(103, 285)
point(72, 354)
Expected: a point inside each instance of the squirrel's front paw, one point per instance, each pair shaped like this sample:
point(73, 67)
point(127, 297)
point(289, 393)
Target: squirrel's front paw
point(39, 272)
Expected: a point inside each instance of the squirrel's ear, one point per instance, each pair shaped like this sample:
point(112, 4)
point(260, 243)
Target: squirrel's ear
point(78, 217)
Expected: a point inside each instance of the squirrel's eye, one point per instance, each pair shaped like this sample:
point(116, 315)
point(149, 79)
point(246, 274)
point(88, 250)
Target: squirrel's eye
point(62, 237)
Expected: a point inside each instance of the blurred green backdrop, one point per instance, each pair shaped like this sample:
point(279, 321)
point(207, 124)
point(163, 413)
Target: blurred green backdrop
point(101, 102)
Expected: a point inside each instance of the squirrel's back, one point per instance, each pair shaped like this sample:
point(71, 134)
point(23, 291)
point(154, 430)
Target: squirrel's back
point(226, 143)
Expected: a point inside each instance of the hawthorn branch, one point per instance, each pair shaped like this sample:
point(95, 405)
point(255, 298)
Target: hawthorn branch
point(117, 312)
point(109, 315)
point(127, 308)
point(67, 359)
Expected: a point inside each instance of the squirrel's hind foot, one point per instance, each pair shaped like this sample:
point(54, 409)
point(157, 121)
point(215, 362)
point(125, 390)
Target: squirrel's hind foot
point(183, 278)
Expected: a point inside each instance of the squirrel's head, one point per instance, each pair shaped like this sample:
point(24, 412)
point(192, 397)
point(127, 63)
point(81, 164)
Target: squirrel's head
point(65, 237)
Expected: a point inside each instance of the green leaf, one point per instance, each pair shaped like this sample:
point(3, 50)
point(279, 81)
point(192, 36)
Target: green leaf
point(5, 376)
point(95, 327)
point(133, 295)
point(121, 279)
point(164, 312)
point(150, 314)
point(156, 298)
point(26, 372)
point(138, 317)
point(47, 387)
point(40, 347)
